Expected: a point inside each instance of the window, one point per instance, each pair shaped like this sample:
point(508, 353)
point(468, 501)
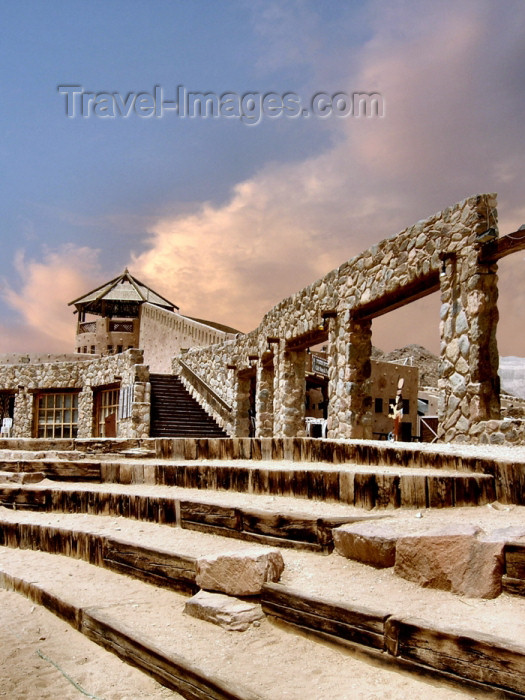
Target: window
point(119, 348)
point(378, 406)
point(406, 406)
point(106, 412)
point(110, 349)
point(92, 349)
point(57, 415)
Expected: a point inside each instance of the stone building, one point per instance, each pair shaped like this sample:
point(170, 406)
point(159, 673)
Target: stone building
point(125, 313)
point(125, 331)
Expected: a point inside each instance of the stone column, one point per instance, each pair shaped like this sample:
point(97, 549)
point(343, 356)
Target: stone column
point(85, 413)
point(350, 402)
point(264, 417)
point(241, 405)
point(469, 381)
point(289, 392)
point(23, 414)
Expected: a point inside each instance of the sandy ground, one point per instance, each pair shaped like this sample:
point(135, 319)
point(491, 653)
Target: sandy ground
point(269, 658)
point(43, 658)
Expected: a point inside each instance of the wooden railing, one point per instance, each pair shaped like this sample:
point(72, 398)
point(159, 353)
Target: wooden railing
point(87, 327)
point(121, 326)
point(217, 403)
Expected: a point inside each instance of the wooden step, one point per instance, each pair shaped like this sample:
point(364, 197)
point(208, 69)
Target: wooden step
point(146, 628)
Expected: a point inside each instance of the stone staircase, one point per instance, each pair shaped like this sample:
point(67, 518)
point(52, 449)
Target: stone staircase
point(175, 413)
point(124, 516)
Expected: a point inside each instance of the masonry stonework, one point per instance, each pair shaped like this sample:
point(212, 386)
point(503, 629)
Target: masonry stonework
point(439, 253)
point(27, 379)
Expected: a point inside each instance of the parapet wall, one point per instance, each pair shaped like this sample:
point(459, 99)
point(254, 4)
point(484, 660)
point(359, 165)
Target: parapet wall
point(439, 253)
point(126, 370)
point(164, 334)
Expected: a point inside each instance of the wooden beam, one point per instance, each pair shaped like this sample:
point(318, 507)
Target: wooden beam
point(417, 289)
point(307, 340)
point(501, 247)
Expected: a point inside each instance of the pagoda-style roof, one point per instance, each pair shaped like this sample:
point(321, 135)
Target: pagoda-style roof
point(120, 297)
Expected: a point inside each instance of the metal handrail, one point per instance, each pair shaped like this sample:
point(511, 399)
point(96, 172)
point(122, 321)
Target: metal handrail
point(194, 379)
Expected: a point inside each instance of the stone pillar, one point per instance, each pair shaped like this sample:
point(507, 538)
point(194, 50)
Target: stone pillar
point(349, 370)
point(23, 414)
point(264, 417)
point(85, 413)
point(469, 381)
point(289, 392)
point(241, 405)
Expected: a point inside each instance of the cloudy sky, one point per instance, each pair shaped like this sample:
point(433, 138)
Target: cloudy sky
point(226, 216)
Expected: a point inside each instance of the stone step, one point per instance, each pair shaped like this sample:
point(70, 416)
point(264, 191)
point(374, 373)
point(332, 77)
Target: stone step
point(377, 618)
point(175, 413)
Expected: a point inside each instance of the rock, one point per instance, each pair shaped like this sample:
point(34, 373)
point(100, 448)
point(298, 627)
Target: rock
point(455, 558)
point(239, 573)
point(223, 610)
point(370, 543)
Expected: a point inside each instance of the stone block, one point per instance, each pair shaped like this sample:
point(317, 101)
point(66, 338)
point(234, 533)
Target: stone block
point(239, 573)
point(223, 610)
point(371, 543)
point(452, 558)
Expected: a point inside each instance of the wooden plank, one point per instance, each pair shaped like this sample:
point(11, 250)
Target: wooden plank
point(210, 514)
point(365, 490)
point(388, 491)
point(68, 470)
point(346, 487)
point(475, 490)
point(274, 541)
point(515, 586)
point(292, 527)
point(355, 624)
point(413, 490)
point(171, 670)
point(514, 553)
point(26, 499)
point(169, 570)
point(323, 485)
point(440, 491)
point(510, 482)
point(477, 657)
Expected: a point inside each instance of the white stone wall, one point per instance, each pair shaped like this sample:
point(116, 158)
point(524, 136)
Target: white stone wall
point(164, 334)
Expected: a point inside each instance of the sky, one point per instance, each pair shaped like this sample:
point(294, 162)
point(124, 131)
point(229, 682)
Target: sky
point(226, 215)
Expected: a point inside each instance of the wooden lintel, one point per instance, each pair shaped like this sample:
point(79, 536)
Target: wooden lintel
point(253, 357)
point(272, 339)
point(329, 314)
point(231, 366)
point(413, 291)
point(302, 342)
point(501, 247)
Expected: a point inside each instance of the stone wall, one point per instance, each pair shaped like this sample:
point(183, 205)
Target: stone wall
point(164, 334)
point(439, 253)
point(26, 380)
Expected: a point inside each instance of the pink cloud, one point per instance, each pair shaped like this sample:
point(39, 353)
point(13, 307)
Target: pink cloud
point(41, 301)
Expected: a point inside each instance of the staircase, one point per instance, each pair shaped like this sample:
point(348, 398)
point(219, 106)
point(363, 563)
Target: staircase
point(175, 413)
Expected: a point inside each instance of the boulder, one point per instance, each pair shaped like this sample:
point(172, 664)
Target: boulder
point(239, 573)
point(371, 543)
point(223, 610)
point(452, 558)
